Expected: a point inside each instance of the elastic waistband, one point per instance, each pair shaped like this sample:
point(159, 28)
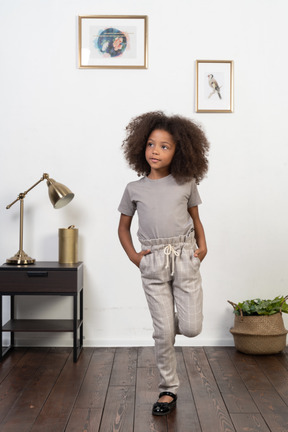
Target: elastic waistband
point(178, 240)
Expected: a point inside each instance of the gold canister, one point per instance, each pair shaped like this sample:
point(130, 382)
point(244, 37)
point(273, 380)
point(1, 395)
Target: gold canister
point(68, 245)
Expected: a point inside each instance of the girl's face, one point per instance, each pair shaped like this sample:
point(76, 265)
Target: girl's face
point(160, 149)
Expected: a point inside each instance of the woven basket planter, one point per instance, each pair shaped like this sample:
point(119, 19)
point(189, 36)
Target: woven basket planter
point(262, 334)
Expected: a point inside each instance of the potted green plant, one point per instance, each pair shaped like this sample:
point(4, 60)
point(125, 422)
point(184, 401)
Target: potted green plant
point(258, 325)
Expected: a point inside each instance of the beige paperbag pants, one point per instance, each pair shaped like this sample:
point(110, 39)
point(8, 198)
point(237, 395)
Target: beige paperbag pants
point(173, 288)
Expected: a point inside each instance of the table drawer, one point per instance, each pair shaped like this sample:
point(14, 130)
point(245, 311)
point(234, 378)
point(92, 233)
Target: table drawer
point(39, 281)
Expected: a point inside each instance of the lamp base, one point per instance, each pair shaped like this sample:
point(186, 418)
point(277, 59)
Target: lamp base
point(20, 258)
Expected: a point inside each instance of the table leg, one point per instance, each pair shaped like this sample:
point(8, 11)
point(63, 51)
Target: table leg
point(12, 316)
point(81, 318)
point(1, 323)
point(75, 313)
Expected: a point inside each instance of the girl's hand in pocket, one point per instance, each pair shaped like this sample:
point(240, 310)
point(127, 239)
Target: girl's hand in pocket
point(200, 253)
point(139, 256)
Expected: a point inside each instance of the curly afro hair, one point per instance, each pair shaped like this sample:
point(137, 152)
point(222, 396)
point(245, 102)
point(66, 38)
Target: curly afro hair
point(190, 159)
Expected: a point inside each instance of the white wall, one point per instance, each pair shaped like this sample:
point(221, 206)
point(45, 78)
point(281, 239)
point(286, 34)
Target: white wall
point(69, 122)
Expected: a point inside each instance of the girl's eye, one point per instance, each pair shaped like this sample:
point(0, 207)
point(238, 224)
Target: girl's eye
point(149, 144)
point(164, 147)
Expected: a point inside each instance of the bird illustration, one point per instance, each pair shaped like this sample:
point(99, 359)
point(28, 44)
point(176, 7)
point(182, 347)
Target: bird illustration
point(214, 85)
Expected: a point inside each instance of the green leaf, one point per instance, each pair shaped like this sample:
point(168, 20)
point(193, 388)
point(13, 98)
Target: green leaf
point(261, 307)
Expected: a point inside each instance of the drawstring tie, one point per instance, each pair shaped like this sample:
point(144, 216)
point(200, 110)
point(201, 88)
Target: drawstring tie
point(168, 250)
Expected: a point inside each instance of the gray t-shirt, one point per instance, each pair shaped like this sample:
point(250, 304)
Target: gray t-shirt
point(162, 206)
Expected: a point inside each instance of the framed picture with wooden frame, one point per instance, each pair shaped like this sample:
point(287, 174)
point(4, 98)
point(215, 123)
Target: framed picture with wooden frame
point(214, 86)
point(113, 41)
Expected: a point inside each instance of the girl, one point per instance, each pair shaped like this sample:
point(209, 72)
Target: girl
point(171, 154)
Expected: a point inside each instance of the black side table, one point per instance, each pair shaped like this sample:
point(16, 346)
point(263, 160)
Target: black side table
point(43, 278)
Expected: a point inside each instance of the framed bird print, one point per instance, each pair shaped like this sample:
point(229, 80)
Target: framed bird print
point(214, 86)
point(112, 41)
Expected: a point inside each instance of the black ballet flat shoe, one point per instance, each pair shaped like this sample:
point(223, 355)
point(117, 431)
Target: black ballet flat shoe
point(164, 408)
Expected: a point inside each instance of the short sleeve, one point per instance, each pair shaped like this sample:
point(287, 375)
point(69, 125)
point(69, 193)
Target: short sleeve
point(194, 198)
point(127, 206)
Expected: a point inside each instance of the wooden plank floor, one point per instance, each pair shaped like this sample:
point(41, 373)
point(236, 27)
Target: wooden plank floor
point(113, 389)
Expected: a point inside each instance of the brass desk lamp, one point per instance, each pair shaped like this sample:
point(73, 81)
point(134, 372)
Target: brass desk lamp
point(59, 196)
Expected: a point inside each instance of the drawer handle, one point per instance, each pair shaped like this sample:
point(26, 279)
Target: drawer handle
point(37, 274)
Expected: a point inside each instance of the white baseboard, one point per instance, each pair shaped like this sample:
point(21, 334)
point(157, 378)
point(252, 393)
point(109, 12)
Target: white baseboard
point(62, 341)
point(181, 341)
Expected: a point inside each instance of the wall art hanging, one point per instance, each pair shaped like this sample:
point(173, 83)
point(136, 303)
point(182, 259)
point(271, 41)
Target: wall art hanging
point(112, 41)
point(214, 86)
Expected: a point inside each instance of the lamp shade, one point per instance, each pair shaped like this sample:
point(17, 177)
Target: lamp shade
point(59, 194)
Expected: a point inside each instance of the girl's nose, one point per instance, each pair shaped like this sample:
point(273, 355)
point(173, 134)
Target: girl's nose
point(155, 150)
